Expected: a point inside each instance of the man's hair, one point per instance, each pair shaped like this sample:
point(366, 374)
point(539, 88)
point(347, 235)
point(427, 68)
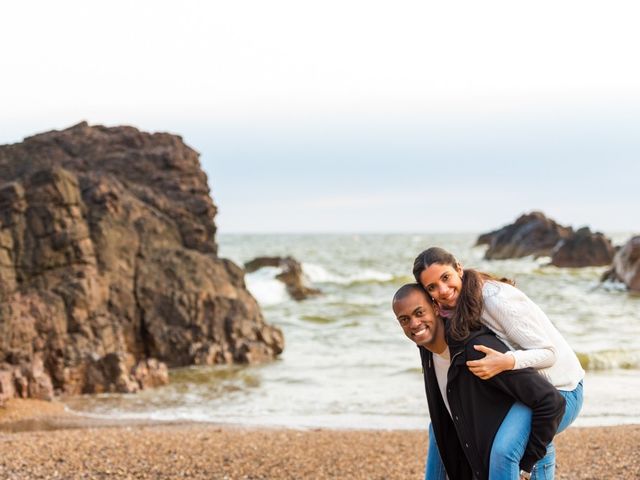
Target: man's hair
point(406, 289)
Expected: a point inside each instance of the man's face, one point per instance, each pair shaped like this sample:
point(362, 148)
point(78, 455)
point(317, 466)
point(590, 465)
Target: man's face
point(418, 320)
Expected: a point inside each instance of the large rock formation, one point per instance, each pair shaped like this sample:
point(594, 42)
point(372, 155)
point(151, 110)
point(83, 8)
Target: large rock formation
point(583, 249)
point(535, 234)
point(291, 275)
point(626, 265)
point(109, 266)
point(531, 234)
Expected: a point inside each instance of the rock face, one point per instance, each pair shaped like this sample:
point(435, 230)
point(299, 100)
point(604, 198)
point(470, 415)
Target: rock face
point(583, 249)
point(626, 265)
point(531, 234)
point(109, 269)
point(291, 274)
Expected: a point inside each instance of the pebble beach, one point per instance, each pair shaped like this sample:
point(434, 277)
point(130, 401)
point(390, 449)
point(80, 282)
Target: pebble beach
point(40, 440)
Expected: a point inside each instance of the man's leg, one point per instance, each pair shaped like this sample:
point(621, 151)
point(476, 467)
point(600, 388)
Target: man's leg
point(435, 468)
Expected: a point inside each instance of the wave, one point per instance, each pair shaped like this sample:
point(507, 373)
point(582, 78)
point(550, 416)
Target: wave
point(610, 360)
point(265, 287)
point(319, 274)
point(318, 319)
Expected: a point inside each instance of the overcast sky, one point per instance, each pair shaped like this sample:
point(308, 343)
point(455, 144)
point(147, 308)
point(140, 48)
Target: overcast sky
point(329, 116)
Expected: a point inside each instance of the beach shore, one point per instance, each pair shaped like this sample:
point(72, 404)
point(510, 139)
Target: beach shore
point(39, 440)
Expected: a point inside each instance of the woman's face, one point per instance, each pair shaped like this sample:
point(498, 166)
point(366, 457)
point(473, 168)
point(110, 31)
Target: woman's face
point(442, 283)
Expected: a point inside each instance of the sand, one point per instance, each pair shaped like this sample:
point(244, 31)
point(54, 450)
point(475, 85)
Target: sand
point(66, 446)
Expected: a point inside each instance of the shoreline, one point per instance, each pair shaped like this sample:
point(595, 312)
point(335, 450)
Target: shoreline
point(62, 444)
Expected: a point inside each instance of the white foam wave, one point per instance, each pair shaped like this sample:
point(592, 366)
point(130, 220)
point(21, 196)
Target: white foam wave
point(319, 274)
point(264, 286)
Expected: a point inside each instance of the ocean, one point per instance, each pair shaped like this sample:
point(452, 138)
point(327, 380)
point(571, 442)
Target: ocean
point(346, 362)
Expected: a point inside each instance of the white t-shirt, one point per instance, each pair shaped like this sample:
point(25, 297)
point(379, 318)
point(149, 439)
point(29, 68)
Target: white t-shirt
point(441, 364)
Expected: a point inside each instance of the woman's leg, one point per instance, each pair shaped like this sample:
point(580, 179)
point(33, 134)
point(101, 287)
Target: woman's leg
point(435, 468)
point(513, 435)
point(545, 468)
point(509, 443)
point(573, 401)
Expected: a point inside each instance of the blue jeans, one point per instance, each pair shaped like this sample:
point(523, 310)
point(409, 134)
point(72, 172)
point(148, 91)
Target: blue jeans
point(510, 442)
point(435, 468)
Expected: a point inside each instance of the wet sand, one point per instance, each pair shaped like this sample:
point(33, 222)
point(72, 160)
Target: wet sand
point(39, 440)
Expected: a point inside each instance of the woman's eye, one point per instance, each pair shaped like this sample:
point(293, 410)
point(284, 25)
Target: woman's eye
point(445, 277)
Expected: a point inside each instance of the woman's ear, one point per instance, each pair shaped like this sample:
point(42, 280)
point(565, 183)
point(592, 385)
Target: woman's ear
point(459, 269)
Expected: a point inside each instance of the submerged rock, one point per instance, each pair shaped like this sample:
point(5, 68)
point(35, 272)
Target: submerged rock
point(583, 249)
point(537, 235)
point(626, 265)
point(291, 275)
point(531, 234)
point(108, 266)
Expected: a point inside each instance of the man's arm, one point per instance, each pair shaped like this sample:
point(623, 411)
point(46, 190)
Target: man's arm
point(530, 388)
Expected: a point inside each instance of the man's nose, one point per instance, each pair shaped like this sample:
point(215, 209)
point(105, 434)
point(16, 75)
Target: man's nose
point(413, 320)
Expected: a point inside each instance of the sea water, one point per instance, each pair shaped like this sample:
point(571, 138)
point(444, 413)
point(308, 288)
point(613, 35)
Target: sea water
point(346, 362)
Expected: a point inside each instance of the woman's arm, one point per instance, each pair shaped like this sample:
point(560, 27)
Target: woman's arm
point(492, 364)
point(531, 389)
point(519, 322)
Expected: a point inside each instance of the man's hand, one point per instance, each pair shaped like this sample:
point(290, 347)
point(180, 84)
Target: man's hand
point(492, 364)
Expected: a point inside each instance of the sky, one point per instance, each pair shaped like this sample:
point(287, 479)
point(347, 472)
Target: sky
point(353, 116)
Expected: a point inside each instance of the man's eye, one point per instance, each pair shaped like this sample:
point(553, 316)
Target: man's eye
point(429, 288)
point(445, 277)
point(419, 313)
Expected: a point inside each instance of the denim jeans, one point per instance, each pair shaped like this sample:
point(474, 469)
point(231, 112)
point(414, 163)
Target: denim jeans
point(435, 468)
point(510, 442)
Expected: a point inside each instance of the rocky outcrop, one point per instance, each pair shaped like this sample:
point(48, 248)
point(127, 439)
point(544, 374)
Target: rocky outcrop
point(583, 249)
point(626, 265)
point(535, 234)
point(531, 234)
point(291, 275)
point(108, 266)
point(485, 238)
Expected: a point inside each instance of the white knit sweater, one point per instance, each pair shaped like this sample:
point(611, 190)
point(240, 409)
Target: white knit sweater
point(525, 328)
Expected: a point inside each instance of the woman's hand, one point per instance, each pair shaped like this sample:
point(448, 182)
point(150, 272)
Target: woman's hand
point(492, 364)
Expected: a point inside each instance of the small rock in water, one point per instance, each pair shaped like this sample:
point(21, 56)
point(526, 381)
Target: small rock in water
point(291, 274)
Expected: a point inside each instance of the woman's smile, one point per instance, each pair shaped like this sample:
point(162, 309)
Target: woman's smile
point(442, 283)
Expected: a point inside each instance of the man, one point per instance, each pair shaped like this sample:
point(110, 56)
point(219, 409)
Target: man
point(465, 410)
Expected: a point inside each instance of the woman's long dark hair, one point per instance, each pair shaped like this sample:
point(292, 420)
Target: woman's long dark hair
point(466, 315)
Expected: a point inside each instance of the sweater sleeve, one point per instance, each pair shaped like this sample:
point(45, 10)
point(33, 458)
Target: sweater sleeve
point(530, 388)
point(520, 323)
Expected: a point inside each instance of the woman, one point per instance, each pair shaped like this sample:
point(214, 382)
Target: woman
point(468, 299)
